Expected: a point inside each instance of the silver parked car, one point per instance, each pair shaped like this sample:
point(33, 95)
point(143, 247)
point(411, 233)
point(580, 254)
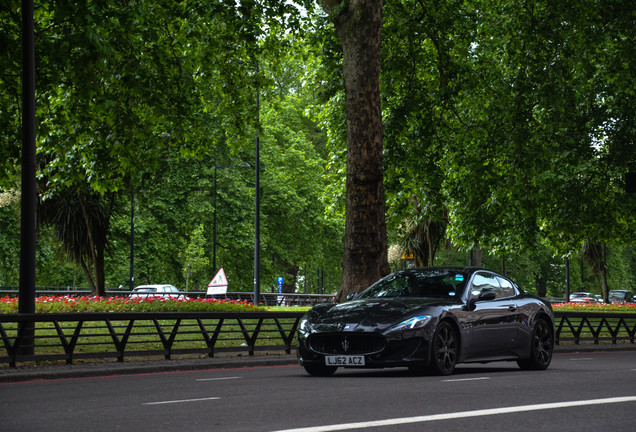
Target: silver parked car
point(620, 296)
point(582, 297)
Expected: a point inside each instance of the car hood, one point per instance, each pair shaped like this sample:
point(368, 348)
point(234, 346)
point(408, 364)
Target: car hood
point(377, 314)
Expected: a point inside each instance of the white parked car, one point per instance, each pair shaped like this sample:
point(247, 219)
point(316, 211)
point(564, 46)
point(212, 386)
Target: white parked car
point(161, 291)
point(584, 297)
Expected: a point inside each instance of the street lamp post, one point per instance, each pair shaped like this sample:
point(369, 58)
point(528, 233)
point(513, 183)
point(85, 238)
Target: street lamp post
point(28, 204)
point(257, 215)
point(257, 210)
point(567, 278)
point(214, 227)
point(132, 238)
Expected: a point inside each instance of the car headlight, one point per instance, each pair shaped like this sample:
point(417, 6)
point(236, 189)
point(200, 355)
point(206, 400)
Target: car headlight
point(413, 323)
point(304, 328)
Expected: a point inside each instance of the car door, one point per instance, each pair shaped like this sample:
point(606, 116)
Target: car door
point(493, 327)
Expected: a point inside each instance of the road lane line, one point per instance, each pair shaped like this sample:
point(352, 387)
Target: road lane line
point(466, 379)
point(464, 414)
point(218, 379)
point(180, 401)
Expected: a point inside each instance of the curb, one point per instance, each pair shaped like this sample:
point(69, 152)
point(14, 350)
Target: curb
point(106, 368)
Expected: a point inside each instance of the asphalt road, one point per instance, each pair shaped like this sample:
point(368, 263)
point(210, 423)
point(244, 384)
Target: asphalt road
point(580, 392)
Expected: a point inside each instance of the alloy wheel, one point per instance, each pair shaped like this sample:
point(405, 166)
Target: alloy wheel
point(445, 349)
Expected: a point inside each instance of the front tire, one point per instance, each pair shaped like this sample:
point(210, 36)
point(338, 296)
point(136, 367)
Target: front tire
point(314, 369)
point(445, 349)
point(541, 347)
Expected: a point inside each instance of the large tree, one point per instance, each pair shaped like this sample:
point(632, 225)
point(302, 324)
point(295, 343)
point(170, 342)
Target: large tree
point(358, 24)
point(513, 116)
point(119, 86)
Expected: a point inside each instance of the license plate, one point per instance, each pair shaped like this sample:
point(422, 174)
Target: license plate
point(344, 360)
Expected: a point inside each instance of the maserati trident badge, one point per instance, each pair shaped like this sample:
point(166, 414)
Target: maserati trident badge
point(345, 346)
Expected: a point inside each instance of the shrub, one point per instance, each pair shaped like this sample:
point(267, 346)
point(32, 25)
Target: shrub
point(594, 307)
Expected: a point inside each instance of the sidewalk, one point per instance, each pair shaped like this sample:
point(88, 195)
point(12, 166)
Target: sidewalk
point(111, 367)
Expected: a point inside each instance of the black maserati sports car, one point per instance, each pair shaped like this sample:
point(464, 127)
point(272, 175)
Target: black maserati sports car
point(429, 318)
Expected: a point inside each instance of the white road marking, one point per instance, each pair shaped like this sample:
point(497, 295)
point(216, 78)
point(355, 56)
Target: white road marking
point(180, 401)
point(218, 379)
point(581, 358)
point(466, 379)
point(464, 414)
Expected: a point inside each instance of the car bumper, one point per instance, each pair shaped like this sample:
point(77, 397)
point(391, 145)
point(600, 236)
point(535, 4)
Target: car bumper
point(400, 353)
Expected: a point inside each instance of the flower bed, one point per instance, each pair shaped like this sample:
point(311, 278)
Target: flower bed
point(62, 304)
point(593, 307)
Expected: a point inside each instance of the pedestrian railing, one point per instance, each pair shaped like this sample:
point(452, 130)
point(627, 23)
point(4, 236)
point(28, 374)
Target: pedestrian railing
point(71, 336)
point(594, 327)
point(78, 335)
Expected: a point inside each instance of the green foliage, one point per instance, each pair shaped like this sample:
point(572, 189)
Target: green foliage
point(513, 119)
point(502, 105)
point(10, 92)
point(194, 259)
point(152, 96)
point(9, 238)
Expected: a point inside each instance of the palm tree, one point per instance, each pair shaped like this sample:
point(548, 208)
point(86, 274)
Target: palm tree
point(80, 219)
point(424, 233)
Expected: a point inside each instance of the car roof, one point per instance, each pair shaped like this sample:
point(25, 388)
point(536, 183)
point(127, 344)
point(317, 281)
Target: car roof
point(154, 286)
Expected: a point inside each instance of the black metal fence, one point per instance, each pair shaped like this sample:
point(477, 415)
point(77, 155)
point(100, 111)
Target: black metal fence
point(595, 327)
point(70, 336)
point(73, 336)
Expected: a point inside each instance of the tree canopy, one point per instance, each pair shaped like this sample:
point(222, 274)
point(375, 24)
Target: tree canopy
point(504, 126)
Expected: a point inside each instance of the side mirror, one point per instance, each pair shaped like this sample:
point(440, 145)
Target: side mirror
point(484, 295)
point(352, 295)
point(487, 295)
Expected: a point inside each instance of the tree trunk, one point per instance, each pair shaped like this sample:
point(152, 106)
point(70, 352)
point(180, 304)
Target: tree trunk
point(596, 256)
point(358, 24)
point(89, 276)
point(604, 287)
point(100, 275)
point(541, 280)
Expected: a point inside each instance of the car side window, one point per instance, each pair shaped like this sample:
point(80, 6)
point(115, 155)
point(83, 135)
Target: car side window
point(483, 282)
point(507, 290)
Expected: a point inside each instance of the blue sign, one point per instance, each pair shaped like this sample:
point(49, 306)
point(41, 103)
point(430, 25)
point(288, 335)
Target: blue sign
point(280, 281)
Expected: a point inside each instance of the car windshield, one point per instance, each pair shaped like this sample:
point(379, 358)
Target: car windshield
point(145, 289)
point(425, 283)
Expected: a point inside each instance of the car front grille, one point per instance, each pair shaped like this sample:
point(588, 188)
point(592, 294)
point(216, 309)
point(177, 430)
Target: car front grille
point(346, 343)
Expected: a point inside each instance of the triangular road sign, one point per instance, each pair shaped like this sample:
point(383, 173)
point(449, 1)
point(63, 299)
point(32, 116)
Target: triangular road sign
point(218, 285)
point(219, 279)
